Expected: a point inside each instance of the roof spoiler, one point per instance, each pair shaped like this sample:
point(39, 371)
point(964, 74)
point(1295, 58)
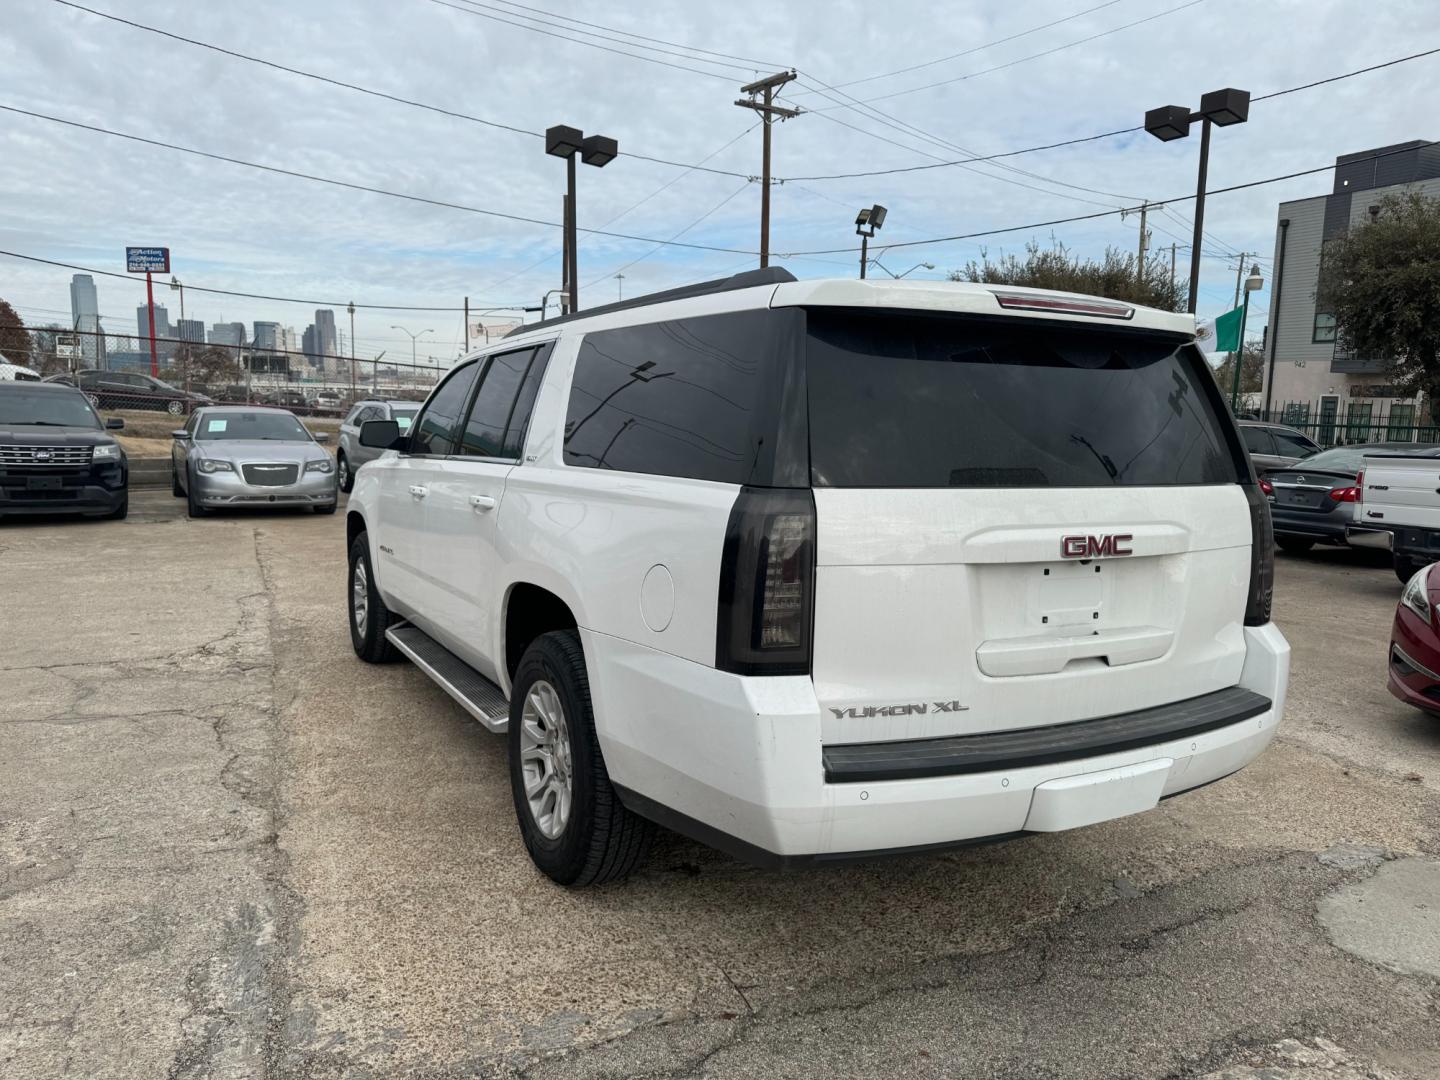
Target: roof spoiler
point(748, 279)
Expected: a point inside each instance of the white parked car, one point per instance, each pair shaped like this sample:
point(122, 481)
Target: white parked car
point(17, 373)
point(810, 570)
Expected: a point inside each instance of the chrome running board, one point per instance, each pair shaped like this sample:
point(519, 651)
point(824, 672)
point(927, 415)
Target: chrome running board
point(474, 693)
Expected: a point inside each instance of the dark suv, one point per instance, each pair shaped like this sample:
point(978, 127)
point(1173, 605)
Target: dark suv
point(132, 390)
point(55, 455)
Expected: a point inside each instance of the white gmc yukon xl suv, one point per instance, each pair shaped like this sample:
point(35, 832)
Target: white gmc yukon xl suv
point(811, 570)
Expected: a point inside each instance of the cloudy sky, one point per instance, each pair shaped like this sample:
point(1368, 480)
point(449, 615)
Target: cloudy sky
point(80, 197)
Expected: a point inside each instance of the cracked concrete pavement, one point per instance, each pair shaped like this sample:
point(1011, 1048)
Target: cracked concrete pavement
point(229, 849)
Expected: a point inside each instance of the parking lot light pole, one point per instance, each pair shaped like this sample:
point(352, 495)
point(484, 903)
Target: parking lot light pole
point(1252, 283)
point(413, 338)
point(1220, 107)
point(176, 283)
point(866, 222)
point(565, 142)
point(351, 310)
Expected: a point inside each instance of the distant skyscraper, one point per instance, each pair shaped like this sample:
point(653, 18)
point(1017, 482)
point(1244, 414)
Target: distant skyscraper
point(227, 333)
point(162, 329)
point(267, 336)
point(325, 340)
point(309, 347)
point(85, 317)
point(191, 330)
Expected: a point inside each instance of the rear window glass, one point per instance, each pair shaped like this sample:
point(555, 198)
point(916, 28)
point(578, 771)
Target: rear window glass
point(922, 401)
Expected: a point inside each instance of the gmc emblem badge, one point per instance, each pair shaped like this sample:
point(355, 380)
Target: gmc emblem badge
point(1095, 547)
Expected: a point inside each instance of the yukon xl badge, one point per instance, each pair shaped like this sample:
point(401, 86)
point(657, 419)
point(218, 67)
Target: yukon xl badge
point(1095, 547)
point(917, 708)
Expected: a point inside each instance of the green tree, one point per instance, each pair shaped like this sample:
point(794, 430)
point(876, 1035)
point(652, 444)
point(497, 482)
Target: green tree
point(1381, 282)
point(15, 344)
point(1252, 371)
point(1113, 276)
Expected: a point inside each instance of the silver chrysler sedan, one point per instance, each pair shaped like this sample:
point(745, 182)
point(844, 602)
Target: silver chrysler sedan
point(246, 456)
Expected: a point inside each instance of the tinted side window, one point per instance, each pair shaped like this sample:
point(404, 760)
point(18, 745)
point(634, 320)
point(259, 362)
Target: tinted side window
point(1257, 440)
point(1293, 445)
point(437, 430)
point(485, 429)
point(708, 398)
point(514, 444)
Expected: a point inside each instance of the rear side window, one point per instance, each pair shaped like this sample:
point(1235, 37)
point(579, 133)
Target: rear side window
point(485, 429)
point(709, 398)
point(920, 401)
point(1257, 440)
point(1293, 444)
point(438, 430)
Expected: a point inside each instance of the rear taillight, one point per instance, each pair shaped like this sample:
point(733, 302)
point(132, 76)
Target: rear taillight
point(767, 584)
point(1345, 494)
point(1262, 559)
point(1360, 486)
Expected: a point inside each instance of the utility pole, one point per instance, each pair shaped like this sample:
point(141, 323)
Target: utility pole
point(467, 326)
point(1240, 273)
point(768, 110)
point(1144, 241)
point(1172, 261)
point(619, 286)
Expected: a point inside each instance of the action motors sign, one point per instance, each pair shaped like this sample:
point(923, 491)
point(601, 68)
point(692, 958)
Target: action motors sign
point(147, 260)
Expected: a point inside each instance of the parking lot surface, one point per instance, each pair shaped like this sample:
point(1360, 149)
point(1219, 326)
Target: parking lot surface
point(230, 849)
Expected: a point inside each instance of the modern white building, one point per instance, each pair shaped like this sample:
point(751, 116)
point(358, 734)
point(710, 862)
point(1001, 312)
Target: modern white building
point(1311, 380)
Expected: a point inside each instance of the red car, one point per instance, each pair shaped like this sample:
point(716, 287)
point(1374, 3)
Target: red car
point(1415, 643)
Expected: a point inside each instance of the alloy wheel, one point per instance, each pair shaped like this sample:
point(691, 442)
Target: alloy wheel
point(360, 596)
point(545, 760)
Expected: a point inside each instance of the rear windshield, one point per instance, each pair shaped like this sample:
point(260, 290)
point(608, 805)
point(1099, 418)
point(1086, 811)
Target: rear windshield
point(920, 401)
point(277, 426)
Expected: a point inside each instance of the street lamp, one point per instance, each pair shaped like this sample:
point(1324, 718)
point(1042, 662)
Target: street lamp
point(1222, 107)
point(866, 222)
point(413, 338)
point(598, 150)
point(1252, 283)
point(351, 310)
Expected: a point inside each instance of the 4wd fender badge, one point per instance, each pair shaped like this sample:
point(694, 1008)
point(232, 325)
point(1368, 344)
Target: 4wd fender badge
point(1095, 547)
point(918, 708)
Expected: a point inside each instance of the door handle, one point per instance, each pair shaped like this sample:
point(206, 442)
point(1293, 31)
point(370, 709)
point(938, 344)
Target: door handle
point(481, 503)
point(419, 490)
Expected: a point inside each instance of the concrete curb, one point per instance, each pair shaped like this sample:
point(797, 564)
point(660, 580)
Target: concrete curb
point(149, 472)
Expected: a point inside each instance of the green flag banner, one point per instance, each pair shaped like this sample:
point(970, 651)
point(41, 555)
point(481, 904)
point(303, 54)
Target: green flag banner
point(1227, 332)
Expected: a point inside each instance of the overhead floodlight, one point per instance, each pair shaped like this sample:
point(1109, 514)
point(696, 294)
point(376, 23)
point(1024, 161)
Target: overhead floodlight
point(599, 150)
point(877, 216)
point(862, 218)
point(1225, 107)
point(1168, 122)
point(563, 141)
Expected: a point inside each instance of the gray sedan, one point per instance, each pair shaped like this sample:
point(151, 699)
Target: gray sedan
point(244, 456)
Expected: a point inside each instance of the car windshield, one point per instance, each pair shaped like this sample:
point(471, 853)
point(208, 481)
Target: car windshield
point(277, 426)
point(403, 417)
point(46, 407)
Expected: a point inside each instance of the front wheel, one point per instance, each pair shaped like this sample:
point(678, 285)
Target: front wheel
point(1294, 545)
point(121, 511)
point(346, 478)
point(192, 505)
point(573, 823)
point(175, 408)
point(1405, 568)
point(369, 617)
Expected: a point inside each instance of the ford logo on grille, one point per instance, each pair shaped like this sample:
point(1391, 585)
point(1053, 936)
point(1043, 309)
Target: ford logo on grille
point(42, 455)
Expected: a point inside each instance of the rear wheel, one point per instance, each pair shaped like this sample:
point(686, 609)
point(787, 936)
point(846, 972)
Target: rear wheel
point(346, 478)
point(175, 408)
point(1294, 545)
point(571, 819)
point(369, 617)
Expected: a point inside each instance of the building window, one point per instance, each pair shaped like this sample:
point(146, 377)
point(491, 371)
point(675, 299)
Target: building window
point(1324, 330)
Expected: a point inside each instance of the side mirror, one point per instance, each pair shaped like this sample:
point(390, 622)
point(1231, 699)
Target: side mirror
point(321, 436)
point(382, 435)
point(179, 433)
point(114, 423)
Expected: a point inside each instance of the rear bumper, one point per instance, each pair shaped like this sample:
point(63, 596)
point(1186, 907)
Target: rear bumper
point(1380, 539)
point(737, 763)
point(1308, 527)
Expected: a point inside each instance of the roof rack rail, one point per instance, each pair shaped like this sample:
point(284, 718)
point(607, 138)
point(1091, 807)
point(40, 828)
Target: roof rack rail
point(747, 279)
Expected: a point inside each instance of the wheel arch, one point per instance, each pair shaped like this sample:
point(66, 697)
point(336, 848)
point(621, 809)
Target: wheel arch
point(531, 609)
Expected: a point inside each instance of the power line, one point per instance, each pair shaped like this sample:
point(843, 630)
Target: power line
point(1099, 214)
point(253, 296)
point(369, 91)
point(978, 48)
point(589, 44)
point(358, 187)
point(1037, 56)
point(1097, 137)
point(682, 232)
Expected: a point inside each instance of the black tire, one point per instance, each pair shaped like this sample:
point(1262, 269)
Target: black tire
point(192, 507)
point(601, 840)
point(121, 511)
point(370, 643)
point(330, 509)
point(1405, 569)
point(1294, 545)
point(175, 488)
point(347, 476)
